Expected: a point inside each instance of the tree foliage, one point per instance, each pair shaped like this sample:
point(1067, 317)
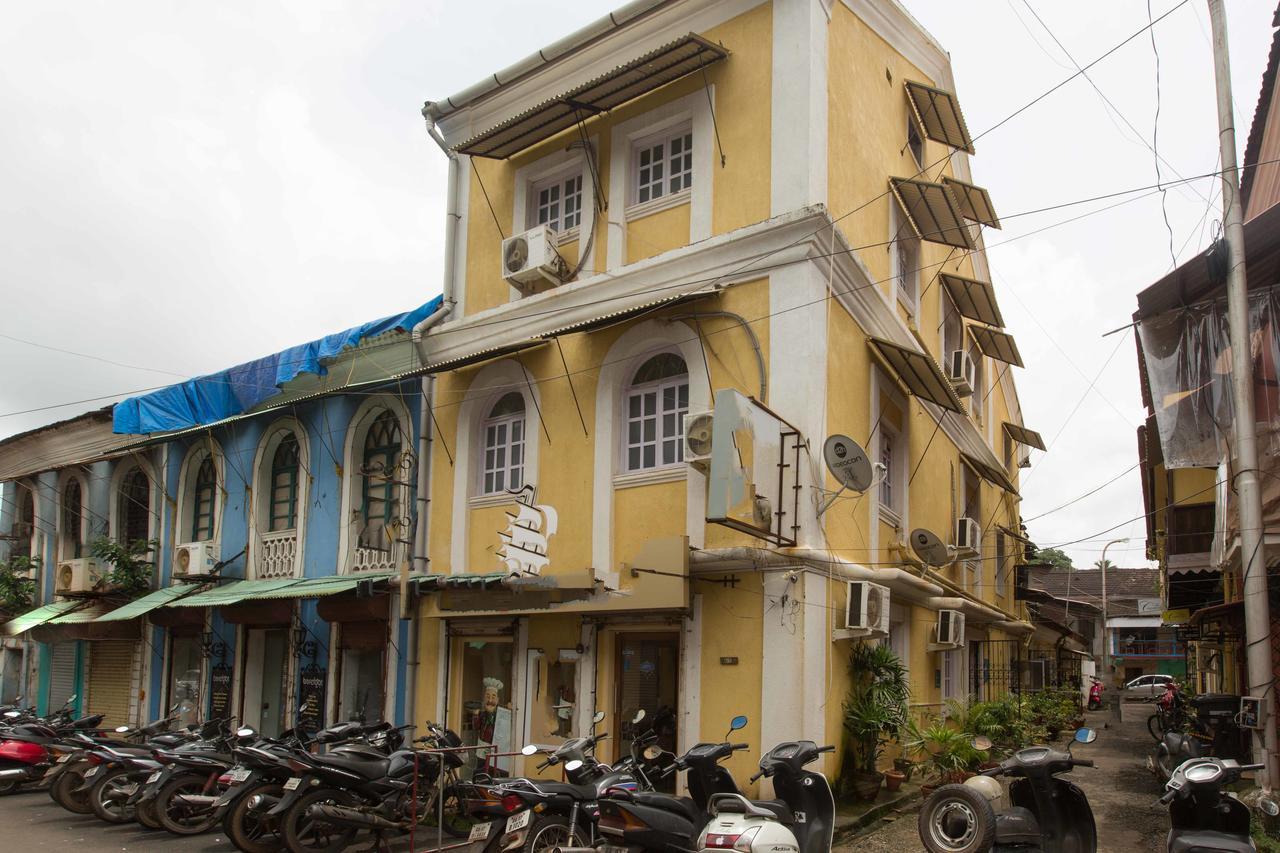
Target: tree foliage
point(1055, 557)
point(17, 583)
point(131, 570)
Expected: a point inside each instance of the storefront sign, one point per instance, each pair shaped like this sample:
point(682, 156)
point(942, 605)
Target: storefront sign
point(1176, 617)
point(220, 692)
point(311, 690)
point(524, 542)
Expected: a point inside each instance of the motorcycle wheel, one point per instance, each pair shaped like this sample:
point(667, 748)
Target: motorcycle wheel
point(1163, 763)
point(111, 811)
point(1155, 727)
point(457, 823)
point(303, 834)
point(145, 813)
point(550, 832)
point(63, 790)
point(956, 819)
point(254, 832)
point(178, 818)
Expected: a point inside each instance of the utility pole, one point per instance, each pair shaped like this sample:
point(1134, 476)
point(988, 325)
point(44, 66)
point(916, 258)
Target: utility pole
point(1106, 635)
point(1257, 612)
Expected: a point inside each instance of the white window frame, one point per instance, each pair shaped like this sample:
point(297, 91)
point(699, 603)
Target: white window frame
point(914, 126)
point(891, 512)
point(902, 237)
point(556, 167)
point(657, 388)
point(682, 134)
point(558, 182)
point(1002, 567)
point(981, 392)
point(508, 470)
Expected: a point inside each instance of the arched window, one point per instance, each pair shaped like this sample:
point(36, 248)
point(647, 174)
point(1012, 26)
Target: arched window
point(133, 510)
point(204, 500)
point(504, 431)
point(380, 496)
point(656, 404)
point(72, 520)
point(283, 513)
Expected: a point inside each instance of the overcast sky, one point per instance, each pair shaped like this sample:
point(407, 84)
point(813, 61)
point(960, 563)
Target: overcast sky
point(188, 186)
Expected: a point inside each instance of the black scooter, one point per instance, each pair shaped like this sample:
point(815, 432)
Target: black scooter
point(1047, 814)
point(1201, 817)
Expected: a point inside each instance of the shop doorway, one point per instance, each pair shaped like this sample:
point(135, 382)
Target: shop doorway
point(184, 697)
point(362, 692)
point(266, 673)
point(488, 715)
point(648, 678)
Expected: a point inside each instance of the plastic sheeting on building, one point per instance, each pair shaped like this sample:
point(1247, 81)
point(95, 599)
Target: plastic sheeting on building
point(1188, 359)
point(209, 399)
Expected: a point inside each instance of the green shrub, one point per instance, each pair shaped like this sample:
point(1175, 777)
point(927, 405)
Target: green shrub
point(131, 571)
point(876, 708)
point(17, 583)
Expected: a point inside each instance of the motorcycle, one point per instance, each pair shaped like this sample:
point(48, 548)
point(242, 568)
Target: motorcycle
point(1045, 814)
point(1201, 817)
point(802, 819)
point(1095, 695)
point(1210, 729)
point(27, 744)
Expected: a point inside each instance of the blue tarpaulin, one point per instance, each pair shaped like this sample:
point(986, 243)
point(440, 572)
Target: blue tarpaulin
point(209, 399)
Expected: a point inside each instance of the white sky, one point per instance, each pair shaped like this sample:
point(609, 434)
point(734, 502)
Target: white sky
point(184, 187)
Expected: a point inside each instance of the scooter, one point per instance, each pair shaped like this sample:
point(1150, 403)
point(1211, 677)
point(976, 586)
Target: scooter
point(1095, 695)
point(1047, 814)
point(802, 819)
point(1203, 819)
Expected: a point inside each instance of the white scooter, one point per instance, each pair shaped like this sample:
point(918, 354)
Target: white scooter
point(800, 821)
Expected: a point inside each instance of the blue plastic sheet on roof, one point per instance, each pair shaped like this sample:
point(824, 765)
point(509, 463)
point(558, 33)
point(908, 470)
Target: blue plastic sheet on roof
point(209, 399)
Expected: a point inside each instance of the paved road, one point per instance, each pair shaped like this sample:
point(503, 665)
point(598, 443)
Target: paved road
point(1121, 793)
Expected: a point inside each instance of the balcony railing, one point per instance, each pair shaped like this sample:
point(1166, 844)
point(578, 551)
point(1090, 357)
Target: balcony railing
point(375, 560)
point(1148, 648)
point(278, 556)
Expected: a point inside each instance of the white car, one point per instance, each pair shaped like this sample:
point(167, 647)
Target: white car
point(1147, 687)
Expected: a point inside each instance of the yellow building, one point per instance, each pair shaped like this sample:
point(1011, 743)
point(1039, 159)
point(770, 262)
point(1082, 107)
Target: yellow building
point(757, 219)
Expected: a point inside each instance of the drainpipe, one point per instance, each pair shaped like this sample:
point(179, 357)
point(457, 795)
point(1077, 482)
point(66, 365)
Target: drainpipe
point(755, 341)
point(425, 431)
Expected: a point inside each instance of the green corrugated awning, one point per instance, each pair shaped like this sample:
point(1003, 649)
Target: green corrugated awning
point(39, 616)
point(233, 592)
point(150, 601)
point(261, 590)
point(82, 616)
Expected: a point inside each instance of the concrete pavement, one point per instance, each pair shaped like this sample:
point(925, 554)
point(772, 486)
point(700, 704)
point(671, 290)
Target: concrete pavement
point(32, 821)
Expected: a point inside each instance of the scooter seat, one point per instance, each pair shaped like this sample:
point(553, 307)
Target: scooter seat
point(780, 809)
point(1017, 825)
point(368, 768)
point(578, 792)
point(1191, 842)
point(682, 806)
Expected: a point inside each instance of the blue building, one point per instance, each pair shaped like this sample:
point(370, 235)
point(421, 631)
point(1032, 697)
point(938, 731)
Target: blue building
point(279, 496)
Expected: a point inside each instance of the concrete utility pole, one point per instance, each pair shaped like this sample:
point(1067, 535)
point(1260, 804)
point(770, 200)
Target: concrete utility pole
point(1106, 635)
point(1257, 612)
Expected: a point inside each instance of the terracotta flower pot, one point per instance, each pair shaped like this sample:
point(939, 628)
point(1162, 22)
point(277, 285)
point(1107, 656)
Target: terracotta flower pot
point(893, 779)
point(866, 786)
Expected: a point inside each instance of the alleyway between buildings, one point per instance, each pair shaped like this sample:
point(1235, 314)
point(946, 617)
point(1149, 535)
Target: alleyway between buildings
point(1121, 792)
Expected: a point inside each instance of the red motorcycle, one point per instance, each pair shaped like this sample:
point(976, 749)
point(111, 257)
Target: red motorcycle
point(1095, 695)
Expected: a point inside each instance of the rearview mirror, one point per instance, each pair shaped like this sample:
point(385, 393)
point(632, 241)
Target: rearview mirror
point(738, 722)
point(981, 743)
point(652, 752)
point(12, 714)
point(598, 718)
point(528, 749)
point(573, 765)
point(1269, 807)
point(122, 729)
point(1085, 736)
point(245, 732)
point(638, 717)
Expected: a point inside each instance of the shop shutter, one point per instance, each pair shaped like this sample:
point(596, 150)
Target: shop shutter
point(110, 680)
point(62, 674)
point(363, 635)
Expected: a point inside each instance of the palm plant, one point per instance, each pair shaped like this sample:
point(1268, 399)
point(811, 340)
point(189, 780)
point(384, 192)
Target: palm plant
point(875, 711)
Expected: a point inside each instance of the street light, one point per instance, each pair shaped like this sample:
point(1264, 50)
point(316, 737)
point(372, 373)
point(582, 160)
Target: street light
point(1106, 636)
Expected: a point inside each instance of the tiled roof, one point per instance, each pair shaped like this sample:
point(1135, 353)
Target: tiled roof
point(1124, 587)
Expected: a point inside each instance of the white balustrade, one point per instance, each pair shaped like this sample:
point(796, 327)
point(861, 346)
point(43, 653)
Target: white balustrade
point(277, 556)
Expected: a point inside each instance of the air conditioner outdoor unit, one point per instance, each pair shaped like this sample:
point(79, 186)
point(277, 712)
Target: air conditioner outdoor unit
point(79, 575)
point(968, 536)
point(867, 608)
point(530, 259)
point(697, 440)
point(962, 372)
point(950, 629)
point(196, 558)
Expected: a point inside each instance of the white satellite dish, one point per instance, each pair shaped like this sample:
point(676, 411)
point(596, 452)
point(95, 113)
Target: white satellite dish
point(847, 462)
point(931, 550)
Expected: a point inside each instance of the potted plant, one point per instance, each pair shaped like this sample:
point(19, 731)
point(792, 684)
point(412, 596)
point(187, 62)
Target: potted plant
point(905, 766)
point(893, 779)
point(948, 754)
point(131, 571)
point(874, 713)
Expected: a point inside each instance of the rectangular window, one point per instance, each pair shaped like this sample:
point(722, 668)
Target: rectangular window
point(888, 490)
point(1002, 569)
point(915, 143)
point(558, 203)
point(904, 258)
point(664, 167)
point(655, 425)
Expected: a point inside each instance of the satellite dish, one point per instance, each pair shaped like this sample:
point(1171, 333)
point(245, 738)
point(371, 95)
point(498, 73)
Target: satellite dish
point(847, 462)
point(931, 550)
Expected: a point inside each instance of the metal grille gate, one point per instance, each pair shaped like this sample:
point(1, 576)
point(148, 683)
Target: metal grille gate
point(994, 667)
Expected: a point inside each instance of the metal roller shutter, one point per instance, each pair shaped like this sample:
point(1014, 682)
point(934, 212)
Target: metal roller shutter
point(62, 674)
point(110, 680)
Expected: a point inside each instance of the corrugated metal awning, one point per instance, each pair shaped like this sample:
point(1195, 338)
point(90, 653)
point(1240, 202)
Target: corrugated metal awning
point(148, 602)
point(974, 201)
point(997, 344)
point(919, 372)
point(939, 115)
point(627, 313)
point(973, 299)
point(640, 76)
point(39, 616)
point(932, 211)
point(1022, 435)
point(83, 615)
point(233, 592)
point(989, 473)
point(487, 354)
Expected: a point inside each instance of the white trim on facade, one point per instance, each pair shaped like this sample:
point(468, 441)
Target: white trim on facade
point(353, 447)
point(261, 539)
point(206, 446)
point(798, 113)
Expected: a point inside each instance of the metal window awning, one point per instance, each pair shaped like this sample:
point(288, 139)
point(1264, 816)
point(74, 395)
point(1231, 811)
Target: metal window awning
point(973, 299)
point(997, 344)
point(148, 602)
point(919, 372)
point(233, 592)
point(1022, 435)
point(640, 76)
point(26, 621)
point(487, 354)
point(1014, 534)
point(974, 201)
point(932, 211)
point(83, 615)
point(989, 473)
point(939, 115)
point(618, 316)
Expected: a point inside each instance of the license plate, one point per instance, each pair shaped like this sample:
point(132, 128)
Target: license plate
point(519, 821)
point(480, 832)
point(293, 783)
point(610, 848)
point(64, 759)
point(154, 777)
point(93, 771)
point(239, 774)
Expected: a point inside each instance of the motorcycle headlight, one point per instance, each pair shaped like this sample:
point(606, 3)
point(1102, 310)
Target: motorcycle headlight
point(1202, 773)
